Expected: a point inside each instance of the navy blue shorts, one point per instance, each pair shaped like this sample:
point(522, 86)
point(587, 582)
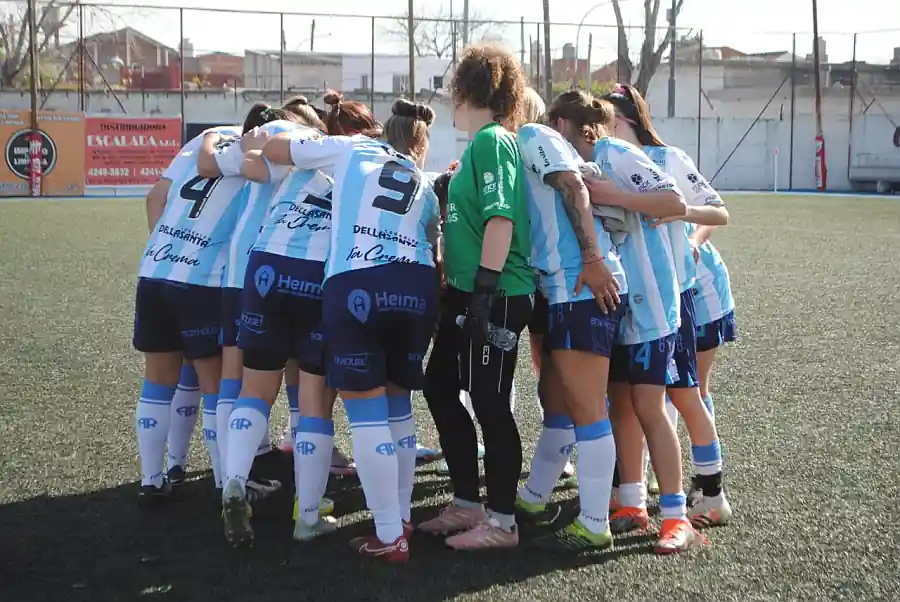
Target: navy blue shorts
point(686, 345)
point(281, 313)
point(232, 298)
point(650, 363)
point(581, 326)
point(538, 325)
point(717, 333)
point(378, 322)
point(173, 316)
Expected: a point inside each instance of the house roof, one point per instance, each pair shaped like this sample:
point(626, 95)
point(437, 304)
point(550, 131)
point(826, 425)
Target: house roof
point(122, 32)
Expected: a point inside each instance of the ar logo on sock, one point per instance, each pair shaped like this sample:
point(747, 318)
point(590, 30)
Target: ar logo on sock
point(305, 448)
point(566, 450)
point(187, 411)
point(240, 424)
point(147, 423)
point(264, 279)
point(209, 435)
point(407, 442)
point(386, 449)
point(360, 304)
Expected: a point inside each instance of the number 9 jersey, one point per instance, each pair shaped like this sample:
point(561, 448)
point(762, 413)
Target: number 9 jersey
point(190, 242)
point(383, 207)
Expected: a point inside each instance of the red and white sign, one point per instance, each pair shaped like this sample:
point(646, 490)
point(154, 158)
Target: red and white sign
point(129, 151)
point(821, 168)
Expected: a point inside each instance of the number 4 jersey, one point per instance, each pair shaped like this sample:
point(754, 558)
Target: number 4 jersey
point(190, 241)
point(383, 207)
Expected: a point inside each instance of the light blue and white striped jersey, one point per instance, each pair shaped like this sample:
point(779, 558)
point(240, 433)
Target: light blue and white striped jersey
point(555, 251)
point(190, 241)
point(257, 200)
point(654, 304)
point(299, 223)
point(696, 191)
point(712, 299)
point(383, 207)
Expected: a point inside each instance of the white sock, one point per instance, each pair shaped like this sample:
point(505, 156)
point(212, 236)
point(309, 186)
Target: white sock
point(596, 464)
point(376, 463)
point(293, 395)
point(466, 400)
point(553, 449)
point(632, 495)
point(313, 443)
point(229, 391)
point(183, 417)
point(512, 398)
point(265, 445)
point(403, 432)
point(151, 424)
point(249, 418)
point(210, 438)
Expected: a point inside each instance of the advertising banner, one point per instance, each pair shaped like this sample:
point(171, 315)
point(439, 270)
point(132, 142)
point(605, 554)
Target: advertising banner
point(129, 151)
point(58, 147)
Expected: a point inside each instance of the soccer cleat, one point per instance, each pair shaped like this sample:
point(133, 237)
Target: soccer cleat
point(175, 475)
point(676, 535)
point(323, 526)
point(614, 500)
point(370, 545)
point(260, 489)
point(710, 511)
point(236, 515)
point(453, 519)
point(485, 535)
point(426, 455)
point(341, 465)
point(326, 507)
point(575, 538)
point(625, 520)
point(539, 515)
point(151, 494)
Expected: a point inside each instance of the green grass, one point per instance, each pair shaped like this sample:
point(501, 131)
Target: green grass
point(806, 405)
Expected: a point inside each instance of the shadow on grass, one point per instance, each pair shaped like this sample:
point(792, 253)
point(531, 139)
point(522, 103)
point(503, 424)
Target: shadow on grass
point(102, 546)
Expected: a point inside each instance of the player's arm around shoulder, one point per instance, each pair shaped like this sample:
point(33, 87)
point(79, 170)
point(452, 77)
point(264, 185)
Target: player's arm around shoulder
point(705, 206)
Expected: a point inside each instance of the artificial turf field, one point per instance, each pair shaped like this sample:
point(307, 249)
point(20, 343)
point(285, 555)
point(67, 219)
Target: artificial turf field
point(806, 406)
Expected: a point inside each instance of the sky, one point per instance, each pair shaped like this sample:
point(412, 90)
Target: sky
point(747, 25)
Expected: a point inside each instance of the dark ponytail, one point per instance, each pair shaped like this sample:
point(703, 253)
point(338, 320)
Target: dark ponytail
point(632, 107)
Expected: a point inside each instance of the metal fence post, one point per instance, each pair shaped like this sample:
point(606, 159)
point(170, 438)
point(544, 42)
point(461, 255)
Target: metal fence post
point(793, 110)
point(181, 70)
point(851, 111)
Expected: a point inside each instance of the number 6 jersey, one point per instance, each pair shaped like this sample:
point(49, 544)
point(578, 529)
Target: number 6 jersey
point(383, 207)
point(190, 241)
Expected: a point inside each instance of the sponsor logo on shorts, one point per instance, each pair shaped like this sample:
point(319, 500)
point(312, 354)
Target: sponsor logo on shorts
point(357, 362)
point(252, 322)
point(210, 330)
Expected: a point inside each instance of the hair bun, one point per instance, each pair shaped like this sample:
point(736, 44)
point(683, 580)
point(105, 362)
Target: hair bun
point(301, 100)
point(333, 98)
point(413, 110)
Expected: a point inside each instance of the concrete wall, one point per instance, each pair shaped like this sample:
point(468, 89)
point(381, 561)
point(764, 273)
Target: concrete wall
point(752, 165)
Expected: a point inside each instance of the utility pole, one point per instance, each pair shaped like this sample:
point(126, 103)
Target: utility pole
point(35, 146)
point(548, 63)
point(312, 36)
point(465, 31)
point(412, 51)
point(821, 171)
point(673, 33)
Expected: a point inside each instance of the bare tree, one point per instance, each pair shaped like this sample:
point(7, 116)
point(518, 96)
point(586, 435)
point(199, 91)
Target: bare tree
point(14, 52)
point(651, 52)
point(432, 34)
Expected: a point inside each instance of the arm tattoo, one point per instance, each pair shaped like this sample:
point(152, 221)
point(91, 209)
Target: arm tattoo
point(572, 190)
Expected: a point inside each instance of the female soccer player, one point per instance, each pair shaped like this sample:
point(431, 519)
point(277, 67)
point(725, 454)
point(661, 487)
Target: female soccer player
point(379, 303)
point(705, 208)
point(489, 285)
point(260, 188)
point(643, 363)
point(177, 303)
point(582, 278)
point(281, 310)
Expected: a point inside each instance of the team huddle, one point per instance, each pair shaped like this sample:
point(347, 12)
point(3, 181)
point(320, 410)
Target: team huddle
point(309, 247)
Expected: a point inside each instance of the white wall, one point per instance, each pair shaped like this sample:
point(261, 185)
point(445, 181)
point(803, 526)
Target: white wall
point(751, 166)
point(386, 66)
